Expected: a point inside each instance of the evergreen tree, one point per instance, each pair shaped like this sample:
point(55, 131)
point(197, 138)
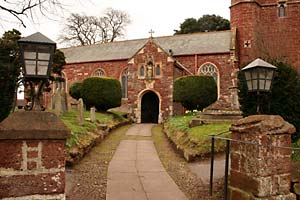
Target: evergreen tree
point(9, 71)
point(205, 23)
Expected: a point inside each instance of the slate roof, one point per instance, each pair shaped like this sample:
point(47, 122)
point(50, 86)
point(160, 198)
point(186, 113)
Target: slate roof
point(259, 62)
point(187, 44)
point(38, 38)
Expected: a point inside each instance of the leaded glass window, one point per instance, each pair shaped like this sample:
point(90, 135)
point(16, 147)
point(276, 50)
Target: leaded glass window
point(99, 72)
point(124, 80)
point(209, 70)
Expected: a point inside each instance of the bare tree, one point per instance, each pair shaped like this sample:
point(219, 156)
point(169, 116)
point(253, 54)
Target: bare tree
point(117, 21)
point(87, 30)
point(21, 9)
point(80, 29)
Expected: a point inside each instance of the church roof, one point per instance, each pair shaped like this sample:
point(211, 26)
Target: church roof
point(187, 44)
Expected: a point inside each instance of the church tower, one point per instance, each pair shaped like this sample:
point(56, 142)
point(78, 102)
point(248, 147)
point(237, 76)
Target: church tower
point(269, 29)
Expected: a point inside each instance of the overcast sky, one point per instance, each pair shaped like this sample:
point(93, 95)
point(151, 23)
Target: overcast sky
point(163, 16)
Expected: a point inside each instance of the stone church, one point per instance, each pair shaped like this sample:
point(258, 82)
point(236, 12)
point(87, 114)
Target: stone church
point(147, 68)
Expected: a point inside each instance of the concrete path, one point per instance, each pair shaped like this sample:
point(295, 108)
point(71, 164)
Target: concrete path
point(136, 173)
point(140, 130)
point(202, 168)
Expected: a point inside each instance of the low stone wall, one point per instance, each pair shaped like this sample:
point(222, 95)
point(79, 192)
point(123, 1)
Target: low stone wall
point(76, 154)
point(32, 156)
point(261, 171)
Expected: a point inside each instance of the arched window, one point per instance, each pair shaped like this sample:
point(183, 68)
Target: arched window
point(157, 70)
point(281, 10)
point(124, 80)
point(209, 69)
point(99, 72)
point(142, 71)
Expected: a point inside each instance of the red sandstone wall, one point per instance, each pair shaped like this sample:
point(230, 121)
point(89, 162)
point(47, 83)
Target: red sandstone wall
point(221, 61)
point(162, 85)
point(32, 167)
point(80, 71)
point(270, 36)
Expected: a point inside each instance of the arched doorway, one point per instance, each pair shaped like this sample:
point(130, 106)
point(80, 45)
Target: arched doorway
point(150, 108)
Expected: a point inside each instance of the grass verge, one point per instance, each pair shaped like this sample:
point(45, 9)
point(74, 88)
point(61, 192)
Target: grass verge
point(194, 141)
point(85, 135)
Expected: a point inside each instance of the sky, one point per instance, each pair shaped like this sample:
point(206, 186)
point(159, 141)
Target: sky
point(162, 16)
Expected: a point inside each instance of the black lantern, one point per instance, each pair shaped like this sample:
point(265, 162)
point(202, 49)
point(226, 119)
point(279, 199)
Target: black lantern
point(36, 55)
point(259, 76)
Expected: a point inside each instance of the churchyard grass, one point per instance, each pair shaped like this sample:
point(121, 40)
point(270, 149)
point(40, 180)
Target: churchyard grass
point(195, 141)
point(83, 132)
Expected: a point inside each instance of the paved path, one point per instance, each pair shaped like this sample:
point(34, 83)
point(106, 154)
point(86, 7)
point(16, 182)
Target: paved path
point(136, 173)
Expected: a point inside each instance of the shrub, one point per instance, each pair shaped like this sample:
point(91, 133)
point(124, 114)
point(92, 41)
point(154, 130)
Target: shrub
point(283, 99)
point(75, 90)
point(195, 92)
point(102, 92)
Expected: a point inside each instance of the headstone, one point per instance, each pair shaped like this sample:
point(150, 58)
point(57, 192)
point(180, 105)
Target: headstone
point(80, 111)
point(93, 114)
point(59, 102)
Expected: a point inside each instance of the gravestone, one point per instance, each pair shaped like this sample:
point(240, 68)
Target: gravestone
point(93, 114)
point(80, 111)
point(59, 101)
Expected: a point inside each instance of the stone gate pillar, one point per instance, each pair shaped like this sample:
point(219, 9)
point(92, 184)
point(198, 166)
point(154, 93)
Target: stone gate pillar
point(260, 172)
point(32, 156)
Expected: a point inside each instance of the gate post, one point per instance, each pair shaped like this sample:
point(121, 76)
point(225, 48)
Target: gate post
point(261, 172)
point(32, 156)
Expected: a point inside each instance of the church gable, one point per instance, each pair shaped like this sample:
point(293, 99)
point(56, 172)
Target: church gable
point(151, 70)
point(152, 62)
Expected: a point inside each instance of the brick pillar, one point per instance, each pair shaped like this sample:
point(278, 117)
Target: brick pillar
point(32, 156)
point(261, 173)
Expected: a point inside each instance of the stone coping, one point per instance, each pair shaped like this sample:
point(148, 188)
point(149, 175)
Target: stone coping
point(33, 125)
point(267, 124)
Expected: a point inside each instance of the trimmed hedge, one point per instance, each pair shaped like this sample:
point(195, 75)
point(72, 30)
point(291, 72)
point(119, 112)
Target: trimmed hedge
point(75, 90)
point(283, 99)
point(195, 92)
point(102, 92)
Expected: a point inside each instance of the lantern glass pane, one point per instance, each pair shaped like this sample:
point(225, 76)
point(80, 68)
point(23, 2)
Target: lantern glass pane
point(254, 74)
point(29, 55)
point(262, 74)
point(254, 84)
point(42, 67)
point(268, 85)
point(247, 75)
point(44, 56)
point(249, 84)
point(262, 84)
point(270, 74)
point(30, 67)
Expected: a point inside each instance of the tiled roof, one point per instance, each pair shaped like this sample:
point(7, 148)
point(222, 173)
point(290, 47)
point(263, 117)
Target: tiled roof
point(37, 37)
point(197, 43)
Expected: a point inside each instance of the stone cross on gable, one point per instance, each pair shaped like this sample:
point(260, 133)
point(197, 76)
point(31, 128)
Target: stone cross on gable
point(151, 33)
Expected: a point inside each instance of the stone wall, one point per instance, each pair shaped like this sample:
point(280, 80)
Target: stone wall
point(262, 33)
point(32, 156)
point(261, 171)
